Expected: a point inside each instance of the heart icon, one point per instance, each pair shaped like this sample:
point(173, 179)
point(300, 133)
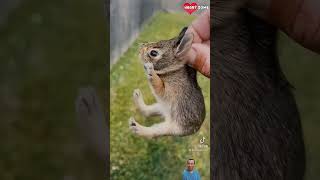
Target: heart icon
point(190, 8)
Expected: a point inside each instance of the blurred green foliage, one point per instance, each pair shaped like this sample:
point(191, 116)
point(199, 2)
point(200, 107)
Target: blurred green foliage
point(134, 157)
point(49, 49)
point(301, 67)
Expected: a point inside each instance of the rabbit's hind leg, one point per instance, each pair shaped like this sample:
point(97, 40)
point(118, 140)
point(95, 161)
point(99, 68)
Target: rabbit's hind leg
point(146, 110)
point(166, 128)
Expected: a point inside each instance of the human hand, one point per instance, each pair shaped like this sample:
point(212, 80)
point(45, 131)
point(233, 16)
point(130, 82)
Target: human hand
point(199, 55)
point(300, 20)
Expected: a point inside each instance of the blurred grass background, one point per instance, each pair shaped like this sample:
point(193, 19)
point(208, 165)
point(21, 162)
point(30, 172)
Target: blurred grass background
point(301, 67)
point(49, 49)
point(134, 157)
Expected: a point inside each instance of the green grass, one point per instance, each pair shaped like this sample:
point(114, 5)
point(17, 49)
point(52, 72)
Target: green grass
point(134, 157)
point(49, 49)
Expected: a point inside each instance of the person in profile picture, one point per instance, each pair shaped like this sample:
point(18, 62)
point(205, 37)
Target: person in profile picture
point(190, 173)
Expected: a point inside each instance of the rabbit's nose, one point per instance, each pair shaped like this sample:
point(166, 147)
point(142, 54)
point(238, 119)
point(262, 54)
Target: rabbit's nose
point(141, 45)
point(142, 48)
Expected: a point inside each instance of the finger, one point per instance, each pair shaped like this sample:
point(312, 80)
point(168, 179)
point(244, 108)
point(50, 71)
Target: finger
point(299, 19)
point(200, 27)
point(199, 58)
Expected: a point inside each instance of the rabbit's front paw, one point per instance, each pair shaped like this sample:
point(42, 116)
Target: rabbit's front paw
point(137, 96)
point(148, 67)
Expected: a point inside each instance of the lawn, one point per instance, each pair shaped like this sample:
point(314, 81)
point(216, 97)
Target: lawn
point(138, 158)
point(48, 50)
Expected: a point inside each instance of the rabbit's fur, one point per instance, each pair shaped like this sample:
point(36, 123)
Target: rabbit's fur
point(174, 84)
point(256, 129)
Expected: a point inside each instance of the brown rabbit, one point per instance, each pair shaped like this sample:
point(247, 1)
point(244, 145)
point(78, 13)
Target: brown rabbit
point(174, 84)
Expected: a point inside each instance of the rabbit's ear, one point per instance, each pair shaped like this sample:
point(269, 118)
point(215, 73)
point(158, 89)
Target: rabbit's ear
point(183, 31)
point(184, 45)
point(179, 38)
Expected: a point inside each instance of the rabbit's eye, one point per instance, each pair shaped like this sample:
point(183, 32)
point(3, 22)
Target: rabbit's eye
point(154, 53)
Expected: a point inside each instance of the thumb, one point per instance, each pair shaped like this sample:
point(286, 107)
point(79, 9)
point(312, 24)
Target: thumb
point(199, 58)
